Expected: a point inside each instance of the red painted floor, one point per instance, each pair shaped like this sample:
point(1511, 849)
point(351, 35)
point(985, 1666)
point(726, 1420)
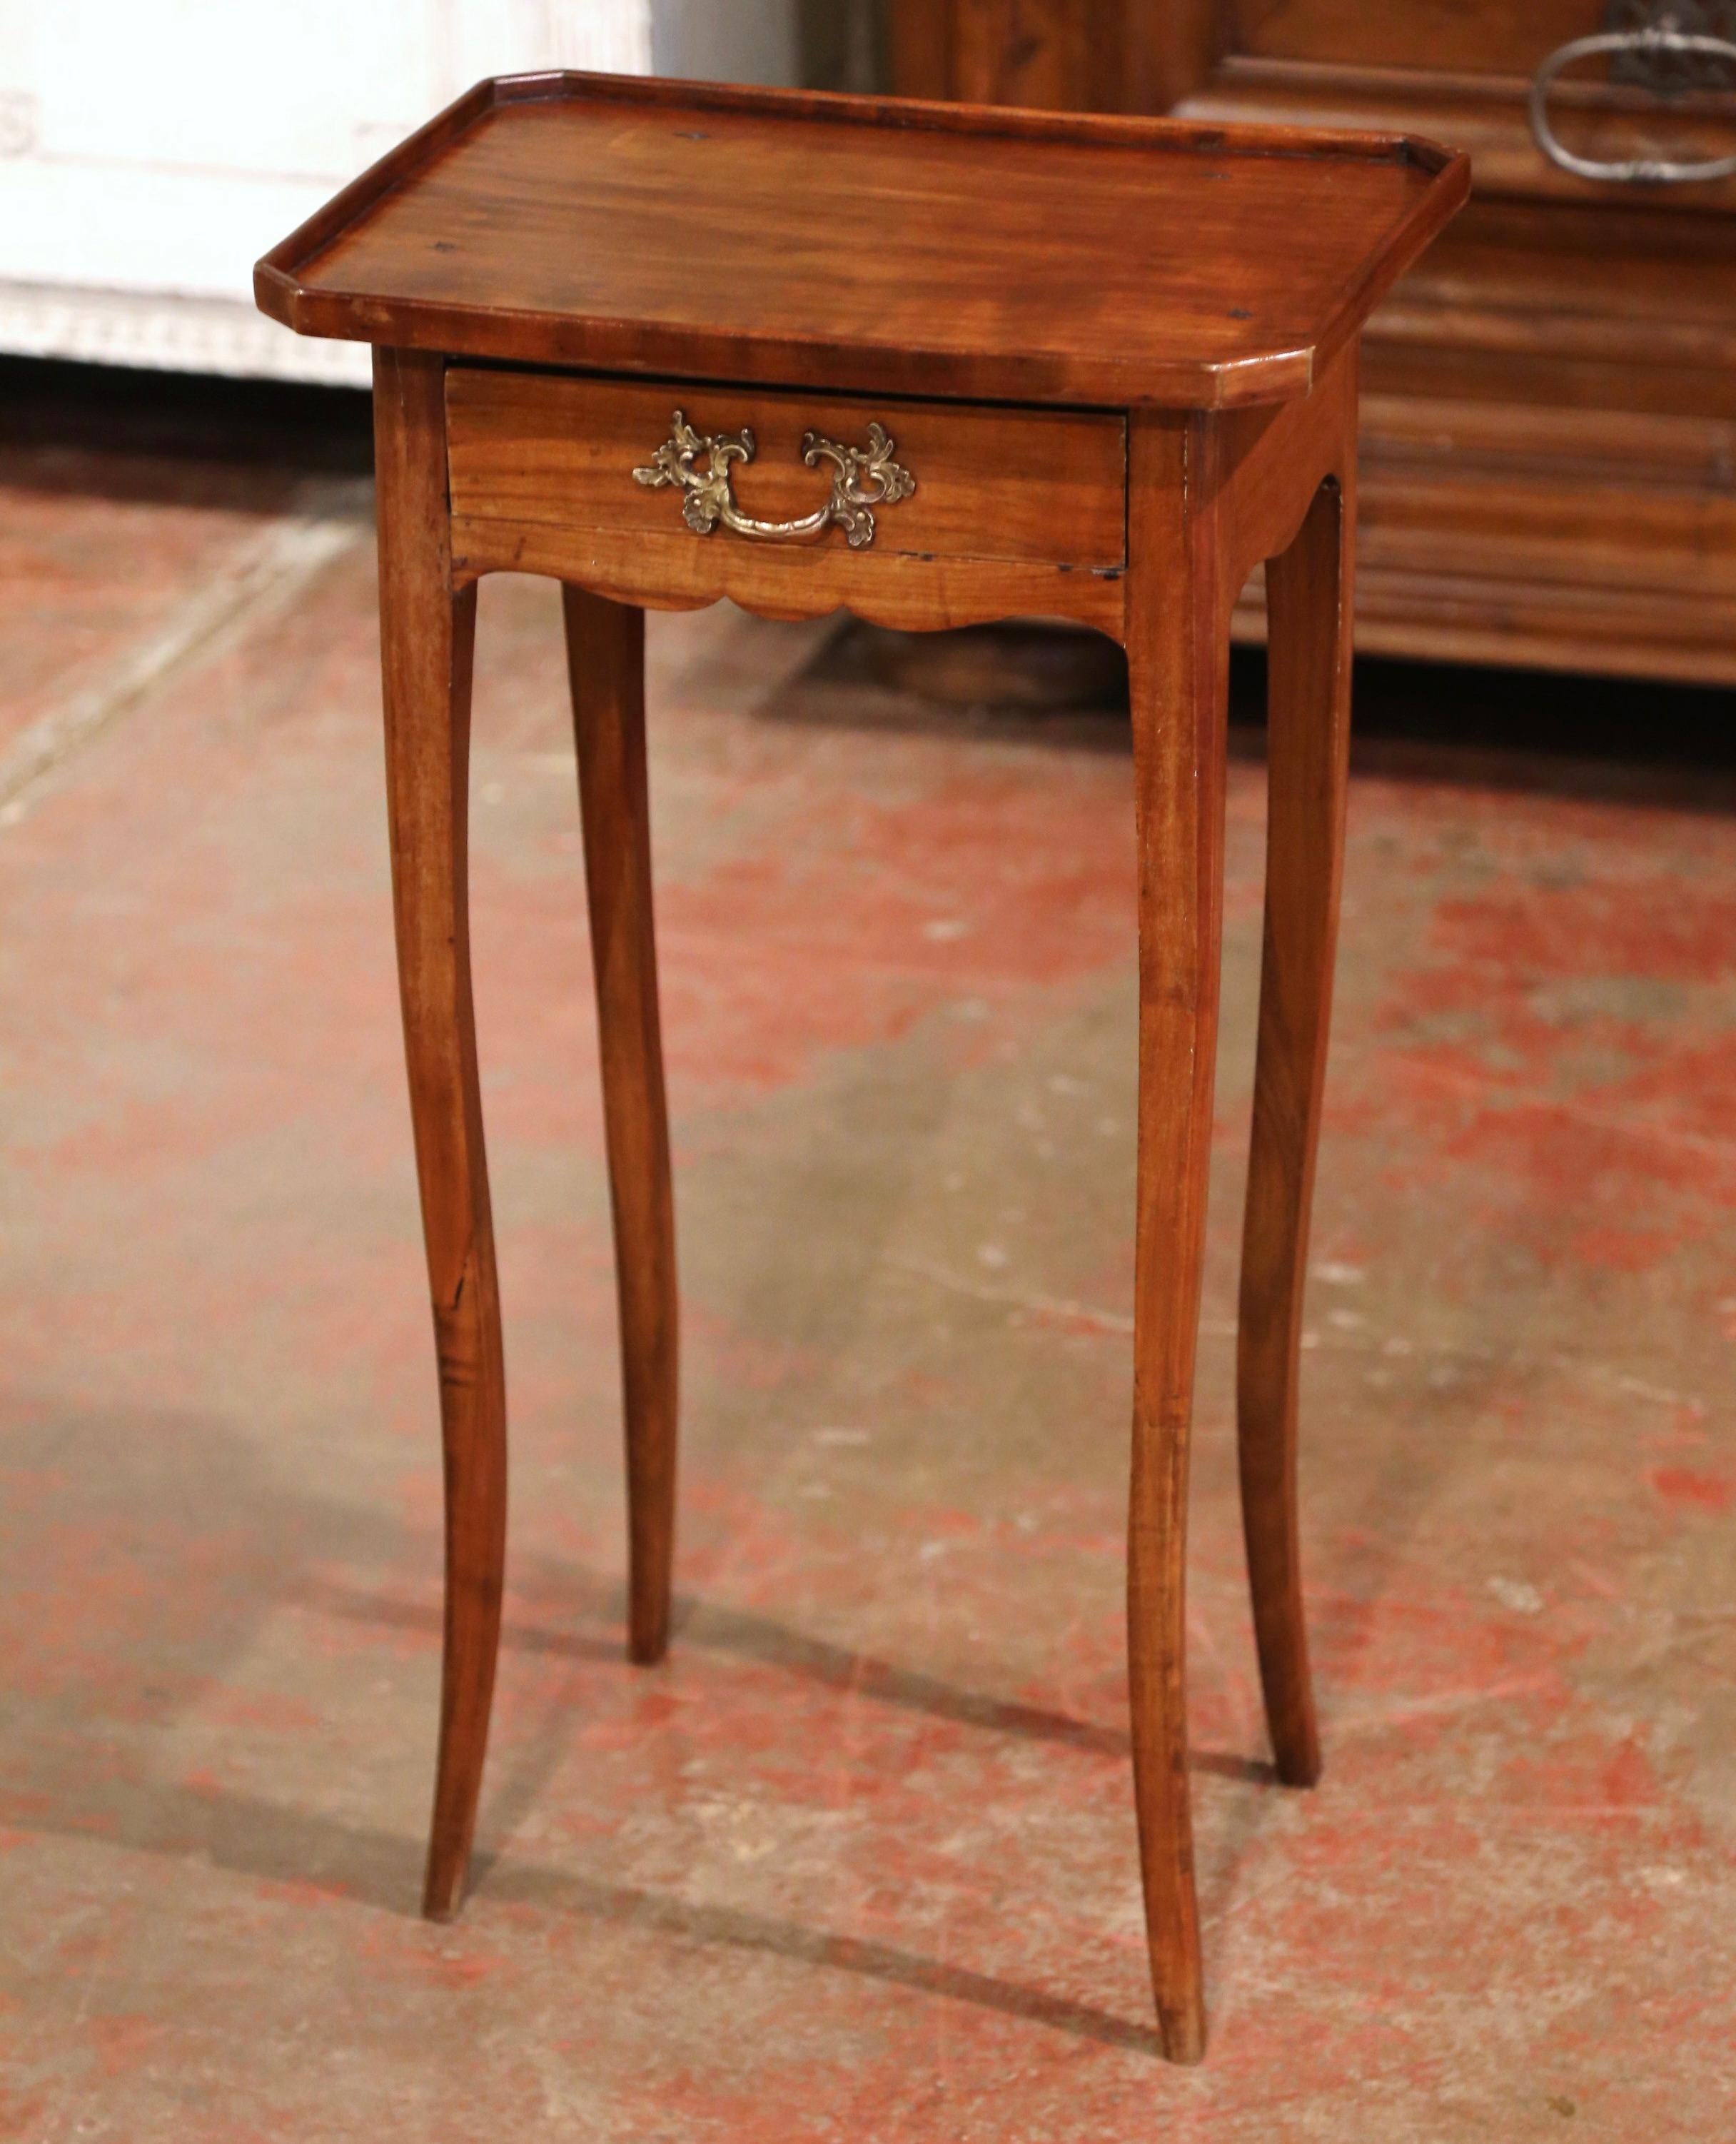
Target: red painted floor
point(858, 1863)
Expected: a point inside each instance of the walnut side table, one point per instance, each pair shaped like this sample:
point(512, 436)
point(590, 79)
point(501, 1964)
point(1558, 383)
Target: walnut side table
point(935, 366)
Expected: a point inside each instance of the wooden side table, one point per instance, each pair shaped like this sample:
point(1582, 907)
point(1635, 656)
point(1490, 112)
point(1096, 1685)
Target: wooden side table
point(935, 366)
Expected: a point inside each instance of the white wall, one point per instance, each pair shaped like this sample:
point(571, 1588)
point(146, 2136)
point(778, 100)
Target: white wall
point(724, 39)
point(151, 150)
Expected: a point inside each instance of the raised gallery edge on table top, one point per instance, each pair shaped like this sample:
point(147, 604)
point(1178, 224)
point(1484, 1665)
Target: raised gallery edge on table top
point(871, 244)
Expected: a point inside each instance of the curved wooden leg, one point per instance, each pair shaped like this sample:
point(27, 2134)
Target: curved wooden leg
point(426, 634)
point(1177, 651)
point(606, 664)
point(1308, 598)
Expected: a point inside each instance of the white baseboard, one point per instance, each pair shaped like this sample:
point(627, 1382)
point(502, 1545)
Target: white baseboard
point(170, 334)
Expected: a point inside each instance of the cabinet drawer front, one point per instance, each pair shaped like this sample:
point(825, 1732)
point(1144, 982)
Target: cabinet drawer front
point(1021, 486)
point(1446, 36)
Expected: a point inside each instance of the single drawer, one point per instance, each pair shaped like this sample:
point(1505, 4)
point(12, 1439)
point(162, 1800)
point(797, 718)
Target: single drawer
point(949, 481)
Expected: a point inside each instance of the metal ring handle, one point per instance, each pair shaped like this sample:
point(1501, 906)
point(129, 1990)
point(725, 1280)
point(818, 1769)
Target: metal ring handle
point(863, 478)
point(1639, 170)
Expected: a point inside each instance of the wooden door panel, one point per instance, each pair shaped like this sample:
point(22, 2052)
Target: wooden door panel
point(1023, 52)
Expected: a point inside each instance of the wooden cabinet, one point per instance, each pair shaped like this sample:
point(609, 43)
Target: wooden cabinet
point(1549, 409)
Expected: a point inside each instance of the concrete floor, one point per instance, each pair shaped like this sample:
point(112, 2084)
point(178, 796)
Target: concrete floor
point(858, 1863)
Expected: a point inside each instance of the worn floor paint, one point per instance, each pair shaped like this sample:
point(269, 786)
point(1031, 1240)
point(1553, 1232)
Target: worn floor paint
point(858, 1863)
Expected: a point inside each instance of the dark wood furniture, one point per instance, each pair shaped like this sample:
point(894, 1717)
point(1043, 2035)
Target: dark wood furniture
point(668, 343)
point(1548, 407)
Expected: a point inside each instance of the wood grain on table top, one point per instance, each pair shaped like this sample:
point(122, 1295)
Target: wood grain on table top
point(793, 238)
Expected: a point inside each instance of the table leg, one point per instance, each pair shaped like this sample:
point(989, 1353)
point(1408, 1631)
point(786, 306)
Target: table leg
point(605, 663)
point(1179, 654)
point(428, 630)
point(1308, 599)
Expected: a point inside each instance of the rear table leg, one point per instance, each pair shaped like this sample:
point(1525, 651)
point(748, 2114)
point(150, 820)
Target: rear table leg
point(606, 664)
point(1308, 596)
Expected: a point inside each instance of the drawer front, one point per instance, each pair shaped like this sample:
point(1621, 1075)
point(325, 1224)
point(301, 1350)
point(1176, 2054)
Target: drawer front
point(1024, 487)
point(1448, 36)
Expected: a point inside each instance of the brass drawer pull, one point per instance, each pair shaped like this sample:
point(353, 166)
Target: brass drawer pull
point(1669, 57)
point(862, 478)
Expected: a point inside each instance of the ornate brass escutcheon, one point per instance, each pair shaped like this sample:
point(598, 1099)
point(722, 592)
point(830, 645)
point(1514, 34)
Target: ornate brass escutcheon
point(863, 478)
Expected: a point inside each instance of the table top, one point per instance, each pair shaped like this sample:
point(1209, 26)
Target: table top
point(789, 238)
